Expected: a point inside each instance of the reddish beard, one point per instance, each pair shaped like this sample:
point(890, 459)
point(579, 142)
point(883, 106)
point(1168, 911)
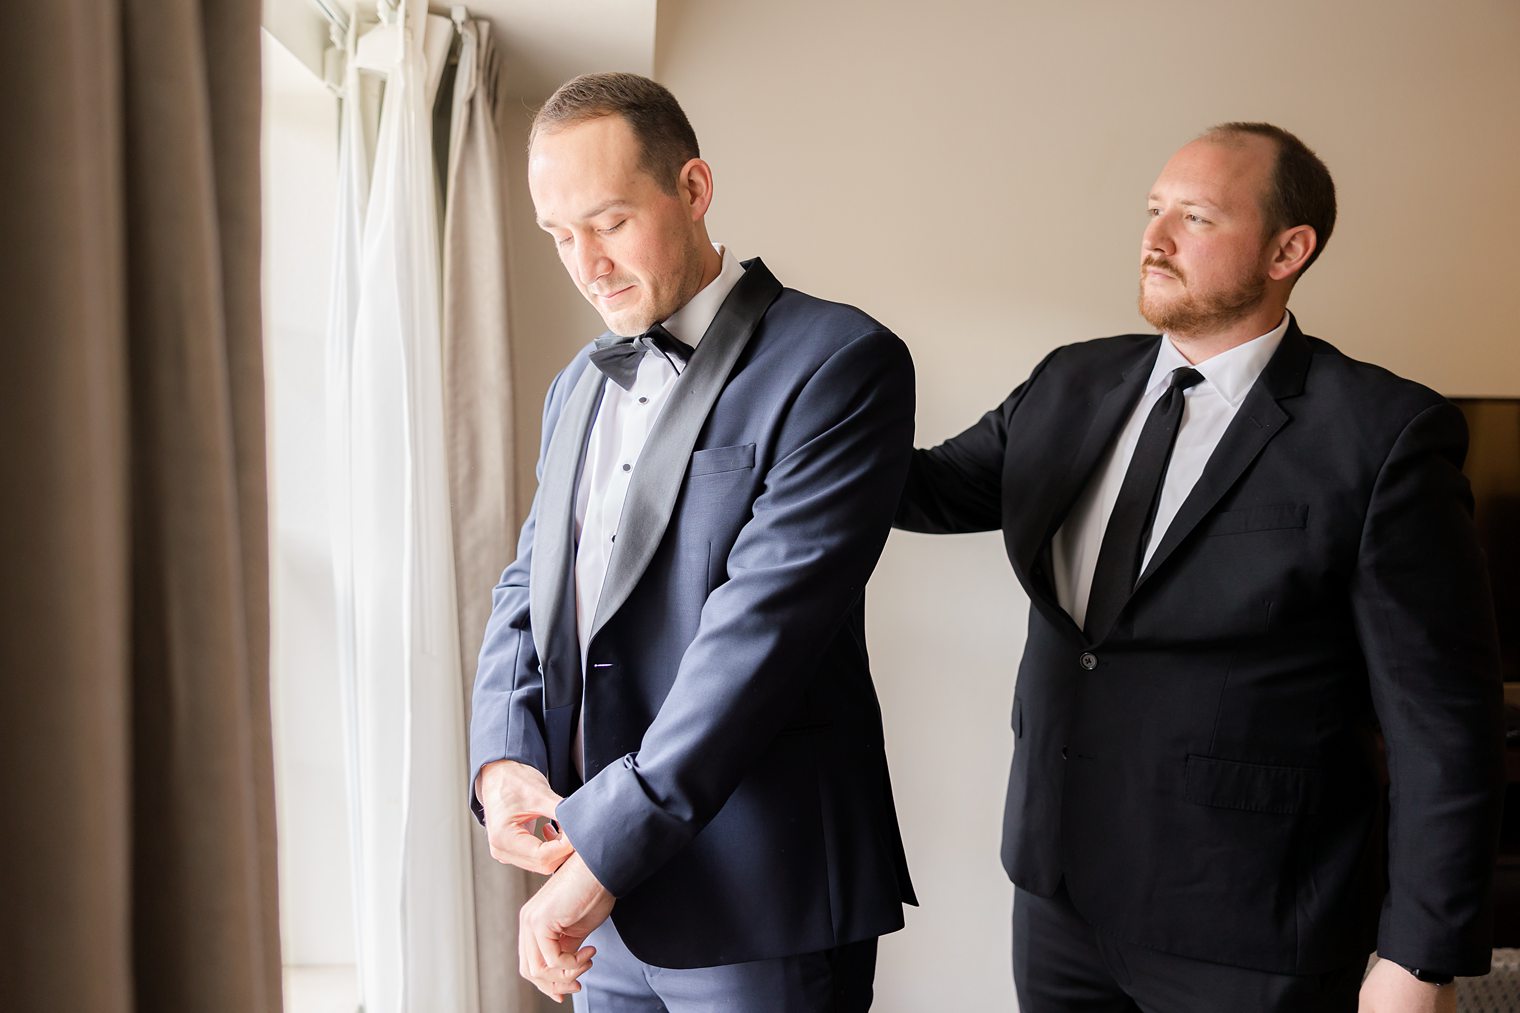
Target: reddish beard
point(1189, 314)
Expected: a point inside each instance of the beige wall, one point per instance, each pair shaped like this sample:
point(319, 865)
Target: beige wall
point(974, 174)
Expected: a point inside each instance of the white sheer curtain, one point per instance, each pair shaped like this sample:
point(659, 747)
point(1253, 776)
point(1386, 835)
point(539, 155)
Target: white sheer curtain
point(398, 632)
point(357, 105)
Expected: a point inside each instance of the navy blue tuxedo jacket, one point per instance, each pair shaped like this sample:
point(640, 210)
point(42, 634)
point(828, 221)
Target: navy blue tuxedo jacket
point(736, 799)
point(1206, 779)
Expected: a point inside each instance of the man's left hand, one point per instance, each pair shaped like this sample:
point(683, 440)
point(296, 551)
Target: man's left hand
point(1390, 988)
point(553, 925)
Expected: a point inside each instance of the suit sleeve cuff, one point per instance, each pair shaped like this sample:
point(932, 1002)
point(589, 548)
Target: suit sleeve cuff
point(621, 833)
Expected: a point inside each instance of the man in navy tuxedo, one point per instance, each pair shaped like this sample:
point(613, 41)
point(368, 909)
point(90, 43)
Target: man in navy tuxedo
point(675, 667)
point(1244, 552)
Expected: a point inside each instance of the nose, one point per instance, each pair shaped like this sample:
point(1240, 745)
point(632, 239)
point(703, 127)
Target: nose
point(591, 262)
point(1157, 237)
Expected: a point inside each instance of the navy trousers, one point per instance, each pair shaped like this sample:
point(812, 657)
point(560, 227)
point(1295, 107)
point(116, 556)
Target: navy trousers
point(832, 981)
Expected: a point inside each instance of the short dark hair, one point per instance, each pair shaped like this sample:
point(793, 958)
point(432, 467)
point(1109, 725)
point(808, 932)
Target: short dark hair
point(664, 133)
point(1301, 191)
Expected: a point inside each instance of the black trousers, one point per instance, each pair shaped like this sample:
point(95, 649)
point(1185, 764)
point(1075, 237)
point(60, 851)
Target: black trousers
point(1061, 964)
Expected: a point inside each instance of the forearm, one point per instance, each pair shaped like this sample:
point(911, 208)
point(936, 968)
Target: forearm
point(957, 486)
point(1425, 621)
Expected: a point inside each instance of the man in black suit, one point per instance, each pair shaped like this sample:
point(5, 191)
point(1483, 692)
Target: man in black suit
point(1245, 552)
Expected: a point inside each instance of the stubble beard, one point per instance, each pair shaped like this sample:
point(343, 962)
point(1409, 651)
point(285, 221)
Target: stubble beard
point(632, 324)
point(1190, 315)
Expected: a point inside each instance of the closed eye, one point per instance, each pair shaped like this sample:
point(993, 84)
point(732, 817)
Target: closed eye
point(609, 230)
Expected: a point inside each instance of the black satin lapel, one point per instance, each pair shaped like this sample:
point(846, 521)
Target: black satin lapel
point(1259, 419)
point(551, 598)
point(662, 464)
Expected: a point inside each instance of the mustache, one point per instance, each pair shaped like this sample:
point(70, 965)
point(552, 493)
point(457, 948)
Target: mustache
point(1165, 265)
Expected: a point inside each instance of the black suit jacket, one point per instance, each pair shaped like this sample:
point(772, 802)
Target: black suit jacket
point(1206, 777)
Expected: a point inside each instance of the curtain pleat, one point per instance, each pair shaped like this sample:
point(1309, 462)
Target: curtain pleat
point(478, 387)
point(139, 865)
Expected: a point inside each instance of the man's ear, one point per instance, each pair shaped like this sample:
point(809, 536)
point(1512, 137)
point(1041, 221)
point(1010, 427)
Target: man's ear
point(694, 185)
point(1291, 250)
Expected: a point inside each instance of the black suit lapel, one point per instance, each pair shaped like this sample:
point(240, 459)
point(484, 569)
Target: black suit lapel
point(1103, 414)
point(1259, 419)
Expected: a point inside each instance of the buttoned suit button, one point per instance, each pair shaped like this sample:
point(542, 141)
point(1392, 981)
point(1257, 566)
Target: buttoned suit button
point(1063, 752)
point(1088, 660)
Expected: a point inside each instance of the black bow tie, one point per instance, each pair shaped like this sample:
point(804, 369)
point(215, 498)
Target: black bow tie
point(619, 357)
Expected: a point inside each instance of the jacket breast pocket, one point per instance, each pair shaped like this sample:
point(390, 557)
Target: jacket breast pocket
point(1269, 517)
point(716, 460)
point(1252, 787)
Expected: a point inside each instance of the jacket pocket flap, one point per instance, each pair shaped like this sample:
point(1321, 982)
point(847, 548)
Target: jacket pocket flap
point(716, 459)
point(1252, 787)
point(1259, 518)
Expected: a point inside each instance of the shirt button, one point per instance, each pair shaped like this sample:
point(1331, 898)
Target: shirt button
point(1088, 661)
point(643, 400)
point(627, 467)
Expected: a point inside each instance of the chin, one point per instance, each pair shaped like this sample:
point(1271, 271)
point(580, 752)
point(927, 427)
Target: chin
point(625, 324)
point(1157, 313)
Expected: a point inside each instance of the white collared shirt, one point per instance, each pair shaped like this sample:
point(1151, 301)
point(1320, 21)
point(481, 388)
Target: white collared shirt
point(1208, 409)
point(623, 424)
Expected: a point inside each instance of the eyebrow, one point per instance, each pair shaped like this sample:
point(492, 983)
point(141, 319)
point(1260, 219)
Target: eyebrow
point(600, 209)
point(1190, 203)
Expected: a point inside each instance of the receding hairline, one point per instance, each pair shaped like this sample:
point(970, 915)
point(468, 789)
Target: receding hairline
point(548, 128)
point(1225, 133)
point(1227, 136)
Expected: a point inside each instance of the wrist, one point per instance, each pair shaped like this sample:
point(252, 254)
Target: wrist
point(1439, 979)
point(583, 872)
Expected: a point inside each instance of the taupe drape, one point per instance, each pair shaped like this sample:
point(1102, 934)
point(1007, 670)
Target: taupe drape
point(137, 866)
point(478, 407)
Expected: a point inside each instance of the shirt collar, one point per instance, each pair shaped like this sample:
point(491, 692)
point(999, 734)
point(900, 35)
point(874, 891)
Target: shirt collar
point(1231, 374)
point(691, 321)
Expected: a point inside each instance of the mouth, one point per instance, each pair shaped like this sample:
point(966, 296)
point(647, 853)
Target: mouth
point(1151, 269)
point(610, 296)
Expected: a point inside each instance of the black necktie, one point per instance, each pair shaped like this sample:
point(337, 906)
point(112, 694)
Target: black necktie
point(619, 357)
point(1129, 526)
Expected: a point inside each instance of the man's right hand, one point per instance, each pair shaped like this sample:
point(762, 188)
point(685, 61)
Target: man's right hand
point(515, 796)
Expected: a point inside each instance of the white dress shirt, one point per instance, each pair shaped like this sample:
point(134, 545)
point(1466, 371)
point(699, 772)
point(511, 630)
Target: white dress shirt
point(624, 422)
point(1208, 409)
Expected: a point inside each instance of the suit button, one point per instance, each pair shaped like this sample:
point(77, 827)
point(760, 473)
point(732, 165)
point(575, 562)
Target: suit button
point(1063, 752)
point(1088, 661)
